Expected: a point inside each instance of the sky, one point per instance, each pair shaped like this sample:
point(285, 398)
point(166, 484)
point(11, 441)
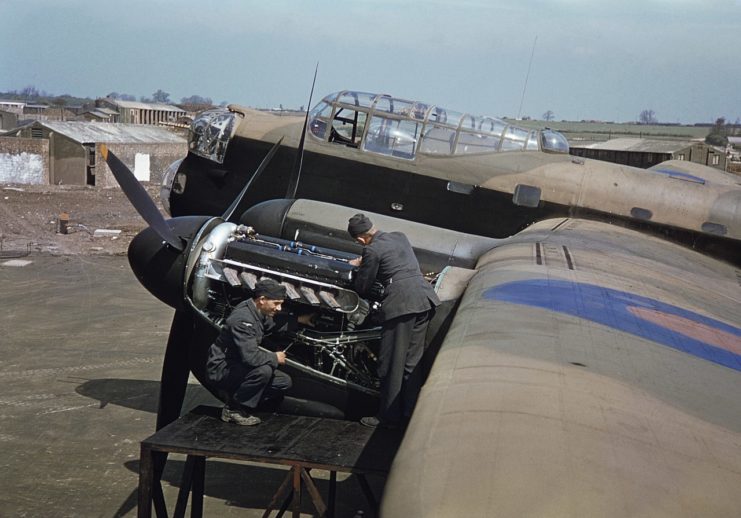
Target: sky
point(580, 59)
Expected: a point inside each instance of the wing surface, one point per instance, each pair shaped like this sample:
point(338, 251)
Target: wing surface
point(694, 172)
point(589, 371)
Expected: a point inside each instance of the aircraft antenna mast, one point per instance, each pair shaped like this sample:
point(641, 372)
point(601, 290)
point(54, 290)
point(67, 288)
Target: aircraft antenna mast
point(527, 76)
point(299, 160)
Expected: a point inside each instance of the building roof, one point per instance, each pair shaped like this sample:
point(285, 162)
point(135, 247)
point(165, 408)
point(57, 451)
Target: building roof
point(145, 106)
point(99, 113)
point(112, 133)
point(639, 145)
point(107, 111)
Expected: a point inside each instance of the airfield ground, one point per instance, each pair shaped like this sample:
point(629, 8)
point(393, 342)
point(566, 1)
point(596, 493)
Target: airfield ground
point(29, 219)
point(82, 347)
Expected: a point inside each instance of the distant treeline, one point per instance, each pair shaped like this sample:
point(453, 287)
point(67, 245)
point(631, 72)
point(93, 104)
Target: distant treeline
point(32, 95)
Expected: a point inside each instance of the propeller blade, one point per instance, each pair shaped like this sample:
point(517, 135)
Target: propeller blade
point(175, 369)
point(139, 198)
point(265, 161)
point(173, 385)
point(293, 184)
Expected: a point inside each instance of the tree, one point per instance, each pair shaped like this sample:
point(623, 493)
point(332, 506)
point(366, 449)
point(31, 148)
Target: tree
point(161, 97)
point(60, 102)
point(647, 117)
point(548, 116)
point(718, 135)
point(196, 103)
point(196, 99)
point(29, 92)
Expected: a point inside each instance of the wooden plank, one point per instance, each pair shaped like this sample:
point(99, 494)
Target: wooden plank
point(301, 442)
point(281, 439)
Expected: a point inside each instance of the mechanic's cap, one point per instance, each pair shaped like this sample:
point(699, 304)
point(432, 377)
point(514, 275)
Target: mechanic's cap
point(270, 289)
point(359, 224)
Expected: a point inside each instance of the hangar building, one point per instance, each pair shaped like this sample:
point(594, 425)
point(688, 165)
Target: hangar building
point(646, 153)
point(69, 152)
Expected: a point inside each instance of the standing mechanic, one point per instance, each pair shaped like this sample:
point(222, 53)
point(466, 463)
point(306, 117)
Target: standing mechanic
point(237, 365)
point(407, 305)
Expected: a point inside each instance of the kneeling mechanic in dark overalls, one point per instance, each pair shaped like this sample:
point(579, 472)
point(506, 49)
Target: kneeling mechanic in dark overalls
point(237, 365)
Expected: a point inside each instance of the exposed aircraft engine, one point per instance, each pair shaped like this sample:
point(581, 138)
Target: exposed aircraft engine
point(342, 344)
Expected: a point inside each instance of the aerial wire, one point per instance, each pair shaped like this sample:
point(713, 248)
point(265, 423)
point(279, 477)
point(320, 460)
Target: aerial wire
point(299, 161)
point(527, 76)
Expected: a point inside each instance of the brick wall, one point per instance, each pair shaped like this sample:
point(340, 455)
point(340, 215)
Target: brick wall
point(159, 157)
point(24, 161)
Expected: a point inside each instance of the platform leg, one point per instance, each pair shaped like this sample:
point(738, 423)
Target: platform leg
point(296, 506)
point(146, 476)
point(199, 483)
point(332, 493)
point(282, 495)
point(185, 483)
point(159, 459)
point(316, 497)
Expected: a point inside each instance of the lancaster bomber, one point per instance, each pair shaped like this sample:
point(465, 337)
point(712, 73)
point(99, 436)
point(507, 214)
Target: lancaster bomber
point(586, 360)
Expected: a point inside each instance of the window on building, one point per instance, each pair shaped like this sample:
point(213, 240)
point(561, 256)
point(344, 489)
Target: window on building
point(680, 156)
point(716, 159)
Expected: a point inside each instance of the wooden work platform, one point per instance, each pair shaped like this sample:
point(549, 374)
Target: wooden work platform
point(303, 443)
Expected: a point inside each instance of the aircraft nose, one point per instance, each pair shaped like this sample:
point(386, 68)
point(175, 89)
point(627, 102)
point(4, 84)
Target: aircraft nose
point(158, 266)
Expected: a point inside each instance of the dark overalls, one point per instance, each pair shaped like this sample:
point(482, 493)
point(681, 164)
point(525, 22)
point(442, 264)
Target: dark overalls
point(407, 306)
point(237, 365)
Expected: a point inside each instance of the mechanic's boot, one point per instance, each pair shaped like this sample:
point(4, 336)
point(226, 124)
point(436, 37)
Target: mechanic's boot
point(230, 415)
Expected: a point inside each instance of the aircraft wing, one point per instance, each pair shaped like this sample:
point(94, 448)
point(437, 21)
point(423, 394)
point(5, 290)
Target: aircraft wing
point(590, 371)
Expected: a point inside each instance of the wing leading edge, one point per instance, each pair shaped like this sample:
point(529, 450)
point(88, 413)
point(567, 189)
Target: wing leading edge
point(589, 371)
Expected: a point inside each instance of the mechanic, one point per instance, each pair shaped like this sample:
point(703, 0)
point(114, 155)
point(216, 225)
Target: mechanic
point(238, 367)
point(407, 305)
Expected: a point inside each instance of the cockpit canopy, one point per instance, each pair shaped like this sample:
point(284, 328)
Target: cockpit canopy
point(401, 128)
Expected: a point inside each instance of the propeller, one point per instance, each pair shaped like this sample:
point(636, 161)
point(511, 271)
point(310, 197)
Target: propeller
point(160, 268)
point(296, 174)
point(139, 198)
point(265, 161)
